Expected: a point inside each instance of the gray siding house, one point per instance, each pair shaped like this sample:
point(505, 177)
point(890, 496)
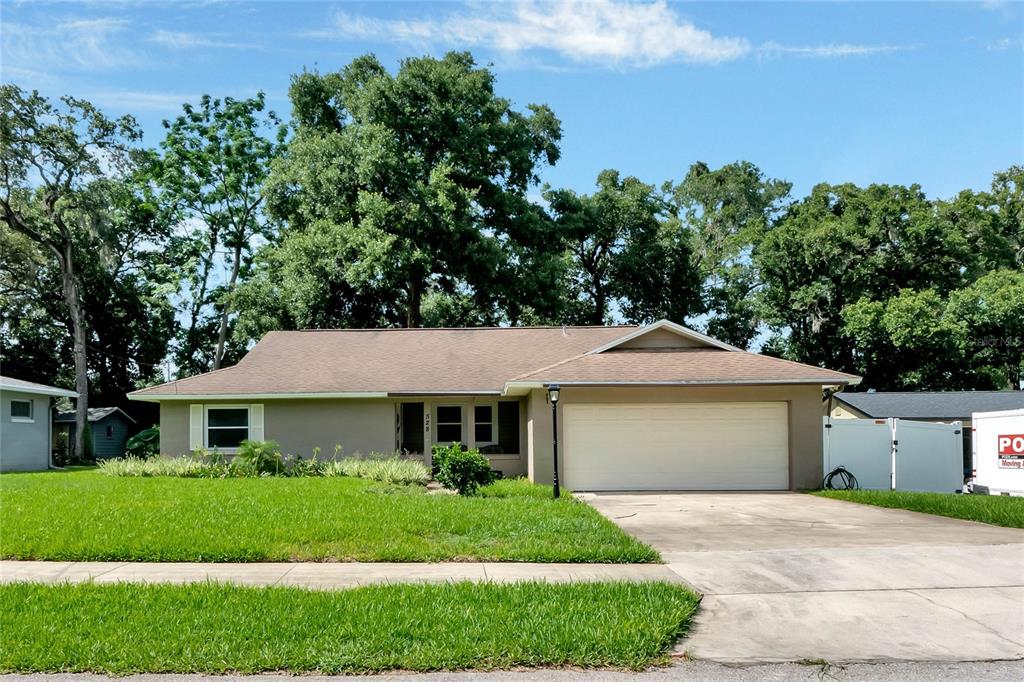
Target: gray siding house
point(109, 429)
point(25, 424)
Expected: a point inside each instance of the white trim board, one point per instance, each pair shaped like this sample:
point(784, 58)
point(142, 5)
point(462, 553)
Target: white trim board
point(158, 397)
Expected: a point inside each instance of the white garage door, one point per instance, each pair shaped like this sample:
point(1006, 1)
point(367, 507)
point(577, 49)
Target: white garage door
point(693, 446)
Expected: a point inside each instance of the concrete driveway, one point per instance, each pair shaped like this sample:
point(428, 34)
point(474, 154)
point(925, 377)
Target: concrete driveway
point(790, 577)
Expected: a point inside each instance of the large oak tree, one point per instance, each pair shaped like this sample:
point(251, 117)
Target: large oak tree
point(54, 162)
point(402, 195)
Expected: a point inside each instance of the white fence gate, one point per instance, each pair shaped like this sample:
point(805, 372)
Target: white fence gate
point(896, 454)
point(863, 447)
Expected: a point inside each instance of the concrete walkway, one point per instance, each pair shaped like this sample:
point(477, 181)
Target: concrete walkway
point(692, 671)
point(789, 577)
point(325, 575)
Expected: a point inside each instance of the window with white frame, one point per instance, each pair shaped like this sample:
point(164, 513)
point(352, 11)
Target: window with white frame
point(448, 425)
point(21, 411)
point(226, 427)
point(483, 424)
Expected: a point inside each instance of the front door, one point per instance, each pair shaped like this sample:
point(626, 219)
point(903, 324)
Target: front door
point(410, 428)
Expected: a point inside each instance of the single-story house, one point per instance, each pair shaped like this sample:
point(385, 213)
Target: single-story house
point(925, 406)
point(658, 407)
point(108, 429)
point(25, 424)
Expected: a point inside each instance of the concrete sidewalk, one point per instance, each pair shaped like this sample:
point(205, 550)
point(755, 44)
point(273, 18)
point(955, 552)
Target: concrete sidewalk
point(325, 575)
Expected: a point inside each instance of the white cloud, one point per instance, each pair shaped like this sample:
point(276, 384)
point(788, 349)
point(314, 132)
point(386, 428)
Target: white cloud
point(74, 44)
point(1004, 44)
point(602, 31)
point(180, 40)
point(831, 50)
point(140, 100)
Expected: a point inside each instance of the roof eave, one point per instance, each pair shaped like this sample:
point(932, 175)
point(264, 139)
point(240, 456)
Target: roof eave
point(512, 385)
point(52, 392)
point(161, 397)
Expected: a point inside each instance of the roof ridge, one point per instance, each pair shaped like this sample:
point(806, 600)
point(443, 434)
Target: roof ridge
point(670, 349)
point(454, 329)
point(551, 366)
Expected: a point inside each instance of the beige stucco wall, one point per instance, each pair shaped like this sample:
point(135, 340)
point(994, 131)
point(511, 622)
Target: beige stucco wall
point(661, 338)
point(174, 428)
point(359, 426)
point(805, 466)
point(840, 411)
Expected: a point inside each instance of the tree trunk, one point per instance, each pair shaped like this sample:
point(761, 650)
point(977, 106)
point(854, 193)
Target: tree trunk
point(413, 318)
point(191, 343)
point(222, 334)
point(72, 297)
point(600, 300)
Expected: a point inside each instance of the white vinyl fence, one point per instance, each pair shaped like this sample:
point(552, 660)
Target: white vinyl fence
point(896, 454)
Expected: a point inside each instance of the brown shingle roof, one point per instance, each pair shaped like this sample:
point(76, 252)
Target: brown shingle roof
point(474, 360)
point(393, 360)
point(683, 366)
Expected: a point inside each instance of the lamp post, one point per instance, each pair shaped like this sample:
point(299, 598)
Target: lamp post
point(553, 391)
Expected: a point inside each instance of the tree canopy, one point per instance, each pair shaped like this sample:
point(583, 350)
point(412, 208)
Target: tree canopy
point(416, 197)
point(416, 183)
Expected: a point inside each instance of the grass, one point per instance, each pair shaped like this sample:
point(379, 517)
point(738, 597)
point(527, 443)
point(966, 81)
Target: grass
point(211, 628)
point(992, 509)
point(86, 516)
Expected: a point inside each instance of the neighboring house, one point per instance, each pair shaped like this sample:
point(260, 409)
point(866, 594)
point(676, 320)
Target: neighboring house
point(108, 426)
point(25, 424)
point(925, 406)
point(641, 408)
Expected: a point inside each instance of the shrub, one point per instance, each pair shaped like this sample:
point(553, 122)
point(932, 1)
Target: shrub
point(183, 467)
point(263, 458)
point(258, 458)
point(144, 444)
point(464, 470)
point(379, 468)
point(439, 453)
point(61, 449)
point(301, 468)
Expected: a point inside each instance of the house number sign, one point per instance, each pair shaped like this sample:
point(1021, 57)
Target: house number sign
point(426, 422)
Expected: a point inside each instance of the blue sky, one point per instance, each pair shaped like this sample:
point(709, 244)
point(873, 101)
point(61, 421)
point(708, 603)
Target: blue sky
point(931, 93)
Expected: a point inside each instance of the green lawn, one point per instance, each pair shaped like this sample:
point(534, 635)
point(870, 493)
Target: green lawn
point(210, 628)
point(84, 515)
point(993, 509)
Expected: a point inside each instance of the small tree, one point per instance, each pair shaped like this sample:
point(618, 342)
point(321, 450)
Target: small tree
point(216, 157)
point(50, 158)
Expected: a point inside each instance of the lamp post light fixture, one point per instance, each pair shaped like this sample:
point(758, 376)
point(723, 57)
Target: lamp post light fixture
point(553, 391)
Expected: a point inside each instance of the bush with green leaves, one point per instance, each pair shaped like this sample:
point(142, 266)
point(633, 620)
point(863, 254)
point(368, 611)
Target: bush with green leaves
point(144, 444)
point(61, 449)
point(439, 453)
point(464, 470)
point(379, 468)
point(263, 458)
point(258, 458)
point(181, 467)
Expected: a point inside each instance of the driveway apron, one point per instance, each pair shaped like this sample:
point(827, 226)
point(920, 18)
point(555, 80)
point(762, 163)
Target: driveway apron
point(793, 577)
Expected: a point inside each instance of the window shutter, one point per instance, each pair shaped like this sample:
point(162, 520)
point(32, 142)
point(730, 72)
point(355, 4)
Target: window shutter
point(195, 427)
point(256, 422)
